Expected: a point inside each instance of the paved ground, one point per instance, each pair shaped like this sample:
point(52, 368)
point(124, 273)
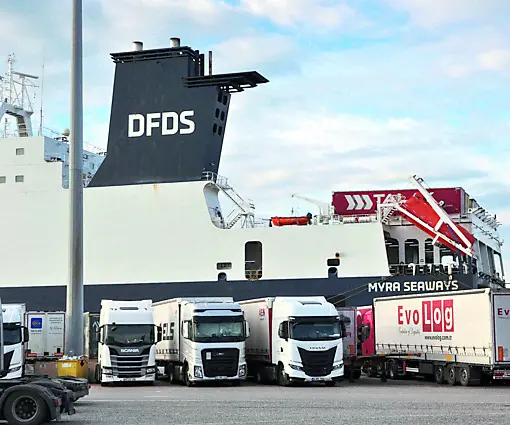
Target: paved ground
point(367, 402)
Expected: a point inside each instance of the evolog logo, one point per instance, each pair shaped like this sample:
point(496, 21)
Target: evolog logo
point(435, 316)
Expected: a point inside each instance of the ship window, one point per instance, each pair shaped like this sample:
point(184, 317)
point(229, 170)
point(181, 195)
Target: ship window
point(214, 128)
point(223, 266)
point(220, 130)
point(411, 251)
point(429, 251)
point(217, 112)
point(222, 276)
point(2, 179)
point(222, 116)
point(333, 262)
point(253, 260)
point(20, 151)
point(19, 179)
point(225, 99)
point(392, 251)
point(220, 96)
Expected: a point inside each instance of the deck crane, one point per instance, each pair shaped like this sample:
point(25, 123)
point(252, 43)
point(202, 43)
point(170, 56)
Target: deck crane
point(325, 209)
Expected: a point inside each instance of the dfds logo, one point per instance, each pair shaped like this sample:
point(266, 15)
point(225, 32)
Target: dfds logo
point(36, 322)
point(169, 122)
point(435, 316)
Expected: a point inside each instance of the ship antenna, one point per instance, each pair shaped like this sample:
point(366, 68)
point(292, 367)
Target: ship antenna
point(42, 92)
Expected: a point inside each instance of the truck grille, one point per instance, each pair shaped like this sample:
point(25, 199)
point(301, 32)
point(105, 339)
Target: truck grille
point(222, 362)
point(129, 366)
point(317, 363)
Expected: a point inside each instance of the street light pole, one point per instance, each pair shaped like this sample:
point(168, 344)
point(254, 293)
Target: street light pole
point(74, 302)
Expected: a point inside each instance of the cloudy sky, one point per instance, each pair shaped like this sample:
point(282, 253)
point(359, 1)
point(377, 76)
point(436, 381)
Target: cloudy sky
point(362, 93)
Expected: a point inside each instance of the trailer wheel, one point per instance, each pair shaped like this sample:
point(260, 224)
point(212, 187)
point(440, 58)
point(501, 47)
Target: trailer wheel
point(439, 375)
point(25, 407)
point(464, 376)
point(451, 375)
point(393, 369)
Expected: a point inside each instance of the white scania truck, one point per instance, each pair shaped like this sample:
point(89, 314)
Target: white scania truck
point(294, 339)
point(127, 342)
point(203, 340)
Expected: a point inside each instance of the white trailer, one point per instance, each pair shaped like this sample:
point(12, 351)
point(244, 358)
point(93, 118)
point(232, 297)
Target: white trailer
point(461, 337)
point(294, 339)
point(46, 331)
point(127, 342)
point(203, 340)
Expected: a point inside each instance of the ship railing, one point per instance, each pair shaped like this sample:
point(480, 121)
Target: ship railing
point(412, 269)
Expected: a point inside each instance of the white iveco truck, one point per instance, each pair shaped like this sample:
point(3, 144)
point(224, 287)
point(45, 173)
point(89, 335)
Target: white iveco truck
point(15, 339)
point(294, 339)
point(127, 342)
point(203, 340)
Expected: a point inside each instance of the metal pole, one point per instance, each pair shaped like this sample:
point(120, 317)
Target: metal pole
point(74, 327)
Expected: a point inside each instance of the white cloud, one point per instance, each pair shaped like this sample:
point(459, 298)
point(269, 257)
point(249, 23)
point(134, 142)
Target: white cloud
point(321, 14)
point(495, 60)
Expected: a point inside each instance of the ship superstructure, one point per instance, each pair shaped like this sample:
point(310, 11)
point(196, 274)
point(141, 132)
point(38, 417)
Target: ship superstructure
point(153, 222)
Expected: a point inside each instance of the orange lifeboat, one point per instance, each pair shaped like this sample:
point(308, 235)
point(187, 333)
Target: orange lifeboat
point(289, 221)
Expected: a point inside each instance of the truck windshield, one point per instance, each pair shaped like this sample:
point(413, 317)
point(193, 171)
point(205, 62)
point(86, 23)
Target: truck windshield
point(229, 331)
point(315, 331)
point(12, 333)
point(123, 335)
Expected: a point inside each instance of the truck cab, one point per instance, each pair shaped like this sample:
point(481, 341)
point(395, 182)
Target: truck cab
point(15, 338)
point(127, 340)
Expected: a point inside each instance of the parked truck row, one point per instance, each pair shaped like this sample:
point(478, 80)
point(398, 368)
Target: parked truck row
point(461, 337)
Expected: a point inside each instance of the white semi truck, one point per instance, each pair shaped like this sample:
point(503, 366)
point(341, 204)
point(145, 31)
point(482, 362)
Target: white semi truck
point(127, 342)
point(294, 339)
point(15, 339)
point(461, 337)
point(203, 340)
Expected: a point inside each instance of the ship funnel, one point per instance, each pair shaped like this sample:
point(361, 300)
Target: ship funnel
point(168, 118)
point(175, 42)
point(137, 46)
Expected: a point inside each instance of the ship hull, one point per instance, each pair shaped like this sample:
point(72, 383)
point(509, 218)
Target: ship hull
point(356, 291)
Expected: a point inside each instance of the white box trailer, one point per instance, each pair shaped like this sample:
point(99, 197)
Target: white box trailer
point(294, 339)
point(46, 332)
point(461, 337)
point(203, 339)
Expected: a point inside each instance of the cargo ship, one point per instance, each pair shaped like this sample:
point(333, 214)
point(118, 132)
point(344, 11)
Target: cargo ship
point(154, 226)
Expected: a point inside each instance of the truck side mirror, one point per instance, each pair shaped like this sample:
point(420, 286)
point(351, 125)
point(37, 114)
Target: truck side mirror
point(247, 329)
point(283, 331)
point(343, 329)
point(160, 334)
point(26, 335)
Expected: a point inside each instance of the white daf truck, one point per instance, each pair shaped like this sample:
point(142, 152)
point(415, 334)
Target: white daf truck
point(127, 342)
point(203, 340)
point(15, 339)
point(294, 339)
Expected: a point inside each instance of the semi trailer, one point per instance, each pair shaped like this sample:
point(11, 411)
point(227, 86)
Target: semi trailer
point(203, 340)
point(458, 338)
point(294, 339)
point(126, 342)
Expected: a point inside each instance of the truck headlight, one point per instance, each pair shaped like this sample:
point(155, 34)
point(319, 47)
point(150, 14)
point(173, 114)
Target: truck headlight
point(242, 370)
point(150, 370)
point(14, 369)
point(107, 371)
point(338, 366)
point(296, 367)
point(198, 372)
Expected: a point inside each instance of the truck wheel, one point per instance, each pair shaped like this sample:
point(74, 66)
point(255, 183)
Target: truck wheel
point(439, 375)
point(283, 379)
point(185, 377)
point(450, 373)
point(25, 407)
point(171, 374)
point(393, 369)
point(464, 376)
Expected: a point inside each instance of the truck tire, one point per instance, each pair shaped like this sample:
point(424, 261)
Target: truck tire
point(283, 379)
point(451, 374)
point(185, 377)
point(464, 376)
point(393, 369)
point(439, 375)
point(25, 408)
point(171, 374)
